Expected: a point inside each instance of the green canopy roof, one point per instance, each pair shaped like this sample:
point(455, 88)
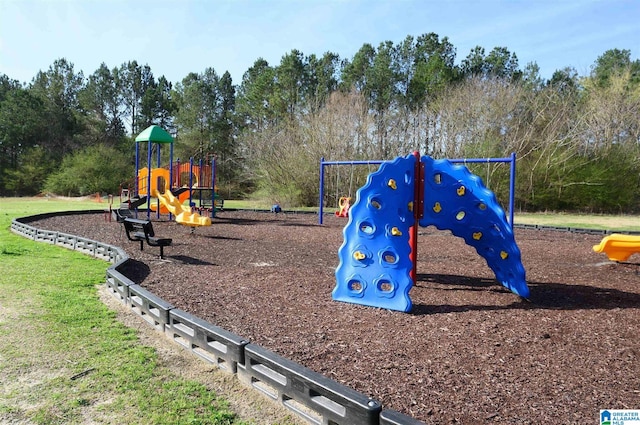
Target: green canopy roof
point(154, 134)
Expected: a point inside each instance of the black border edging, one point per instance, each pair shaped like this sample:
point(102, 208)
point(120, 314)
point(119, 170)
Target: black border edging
point(291, 384)
point(212, 343)
point(310, 395)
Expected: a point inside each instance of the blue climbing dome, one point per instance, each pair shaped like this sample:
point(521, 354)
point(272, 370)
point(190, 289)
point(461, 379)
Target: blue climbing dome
point(375, 266)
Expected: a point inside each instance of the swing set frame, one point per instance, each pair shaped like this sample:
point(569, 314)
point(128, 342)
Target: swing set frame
point(511, 160)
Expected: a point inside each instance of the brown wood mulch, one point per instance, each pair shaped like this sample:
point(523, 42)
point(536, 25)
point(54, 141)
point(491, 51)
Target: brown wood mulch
point(469, 352)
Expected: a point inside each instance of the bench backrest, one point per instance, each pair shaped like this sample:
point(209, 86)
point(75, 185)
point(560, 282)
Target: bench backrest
point(137, 225)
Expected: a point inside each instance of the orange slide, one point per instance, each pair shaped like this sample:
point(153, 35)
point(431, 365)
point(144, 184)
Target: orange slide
point(618, 247)
point(183, 214)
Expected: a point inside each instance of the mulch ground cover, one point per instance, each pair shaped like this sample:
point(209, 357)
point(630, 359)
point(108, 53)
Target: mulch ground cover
point(469, 352)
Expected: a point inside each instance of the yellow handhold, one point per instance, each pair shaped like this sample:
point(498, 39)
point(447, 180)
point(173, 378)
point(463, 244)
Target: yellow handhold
point(359, 255)
point(477, 235)
point(392, 184)
point(396, 232)
point(460, 191)
point(410, 206)
point(437, 207)
point(504, 255)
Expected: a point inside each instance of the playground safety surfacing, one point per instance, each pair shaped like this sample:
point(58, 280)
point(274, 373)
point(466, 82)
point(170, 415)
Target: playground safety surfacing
point(470, 350)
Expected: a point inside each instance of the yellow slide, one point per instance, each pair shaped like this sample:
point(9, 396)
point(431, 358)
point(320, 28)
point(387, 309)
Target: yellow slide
point(183, 196)
point(183, 214)
point(618, 247)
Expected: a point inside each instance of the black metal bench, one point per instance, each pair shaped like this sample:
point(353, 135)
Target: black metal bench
point(142, 230)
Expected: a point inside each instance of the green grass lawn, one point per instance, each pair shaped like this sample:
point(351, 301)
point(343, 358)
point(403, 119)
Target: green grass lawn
point(604, 222)
point(64, 358)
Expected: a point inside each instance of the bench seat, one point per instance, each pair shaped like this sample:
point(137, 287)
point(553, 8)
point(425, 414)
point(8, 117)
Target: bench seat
point(142, 230)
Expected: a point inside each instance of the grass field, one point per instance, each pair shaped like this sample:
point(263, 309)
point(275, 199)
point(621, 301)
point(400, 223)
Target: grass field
point(64, 358)
point(605, 222)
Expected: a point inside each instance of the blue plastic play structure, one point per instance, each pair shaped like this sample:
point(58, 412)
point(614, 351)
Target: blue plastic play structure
point(375, 263)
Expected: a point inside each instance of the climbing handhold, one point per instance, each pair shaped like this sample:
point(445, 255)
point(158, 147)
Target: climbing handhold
point(392, 184)
point(437, 208)
point(504, 255)
point(477, 235)
point(396, 232)
point(410, 206)
point(460, 191)
point(359, 255)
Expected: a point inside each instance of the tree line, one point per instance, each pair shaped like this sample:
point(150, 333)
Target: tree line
point(576, 138)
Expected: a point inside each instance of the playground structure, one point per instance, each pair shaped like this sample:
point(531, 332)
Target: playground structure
point(619, 247)
point(174, 184)
point(379, 253)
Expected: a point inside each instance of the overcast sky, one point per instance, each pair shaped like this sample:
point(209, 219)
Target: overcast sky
point(182, 36)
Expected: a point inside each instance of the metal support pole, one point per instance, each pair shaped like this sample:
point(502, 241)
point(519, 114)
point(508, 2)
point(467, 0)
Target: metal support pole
point(213, 186)
point(149, 179)
point(200, 174)
point(512, 188)
point(190, 179)
point(321, 190)
point(136, 186)
point(158, 164)
point(170, 173)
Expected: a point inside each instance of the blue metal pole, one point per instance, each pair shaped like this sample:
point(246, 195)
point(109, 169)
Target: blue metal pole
point(512, 188)
point(374, 162)
point(321, 190)
point(483, 160)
